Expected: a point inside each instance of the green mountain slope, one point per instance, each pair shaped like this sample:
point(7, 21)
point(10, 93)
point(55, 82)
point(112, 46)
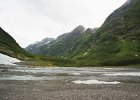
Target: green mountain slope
point(66, 45)
point(69, 44)
point(10, 47)
point(116, 42)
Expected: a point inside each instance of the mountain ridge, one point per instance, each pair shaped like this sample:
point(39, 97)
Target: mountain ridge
point(10, 47)
point(66, 42)
point(35, 47)
point(118, 39)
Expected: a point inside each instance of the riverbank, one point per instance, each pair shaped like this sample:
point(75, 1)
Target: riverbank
point(18, 82)
point(44, 64)
point(60, 90)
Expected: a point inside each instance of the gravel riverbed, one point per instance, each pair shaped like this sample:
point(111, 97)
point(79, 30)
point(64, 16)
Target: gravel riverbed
point(24, 83)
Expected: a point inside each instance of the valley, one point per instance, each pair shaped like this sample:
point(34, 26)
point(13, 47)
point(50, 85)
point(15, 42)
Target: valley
point(98, 63)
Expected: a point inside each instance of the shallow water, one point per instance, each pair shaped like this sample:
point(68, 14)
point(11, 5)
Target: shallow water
point(87, 75)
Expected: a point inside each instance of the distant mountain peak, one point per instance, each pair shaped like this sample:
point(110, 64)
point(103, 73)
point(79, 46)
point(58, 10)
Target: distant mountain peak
point(129, 1)
point(78, 30)
point(80, 26)
point(35, 47)
point(47, 39)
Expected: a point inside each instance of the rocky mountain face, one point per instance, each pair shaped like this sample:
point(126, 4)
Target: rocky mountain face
point(36, 48)
point(66, 45)
point(10, 47)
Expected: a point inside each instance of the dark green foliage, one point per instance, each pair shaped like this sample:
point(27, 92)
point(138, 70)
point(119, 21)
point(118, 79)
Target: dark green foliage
point(118, 40)
point(120, 61)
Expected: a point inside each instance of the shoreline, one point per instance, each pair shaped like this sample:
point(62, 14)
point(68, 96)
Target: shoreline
point(24, 63)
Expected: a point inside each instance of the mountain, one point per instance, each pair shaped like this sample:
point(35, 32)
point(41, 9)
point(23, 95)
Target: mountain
point(10, 47)
point(70, 44)
point(116, 42)
point(66, 45)
point(36, 48)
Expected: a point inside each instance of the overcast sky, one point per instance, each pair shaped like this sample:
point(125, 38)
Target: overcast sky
point(32, 20)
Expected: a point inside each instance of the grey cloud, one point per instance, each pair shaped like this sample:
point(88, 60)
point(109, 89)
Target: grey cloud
point(60, 10)
point(36, 19)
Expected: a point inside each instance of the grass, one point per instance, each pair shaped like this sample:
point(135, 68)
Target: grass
point(46, 61)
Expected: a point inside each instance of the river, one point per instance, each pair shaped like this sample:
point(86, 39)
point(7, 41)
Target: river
point(82, 75)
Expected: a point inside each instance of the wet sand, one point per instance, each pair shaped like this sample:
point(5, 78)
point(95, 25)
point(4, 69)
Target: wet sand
point(60, 90)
